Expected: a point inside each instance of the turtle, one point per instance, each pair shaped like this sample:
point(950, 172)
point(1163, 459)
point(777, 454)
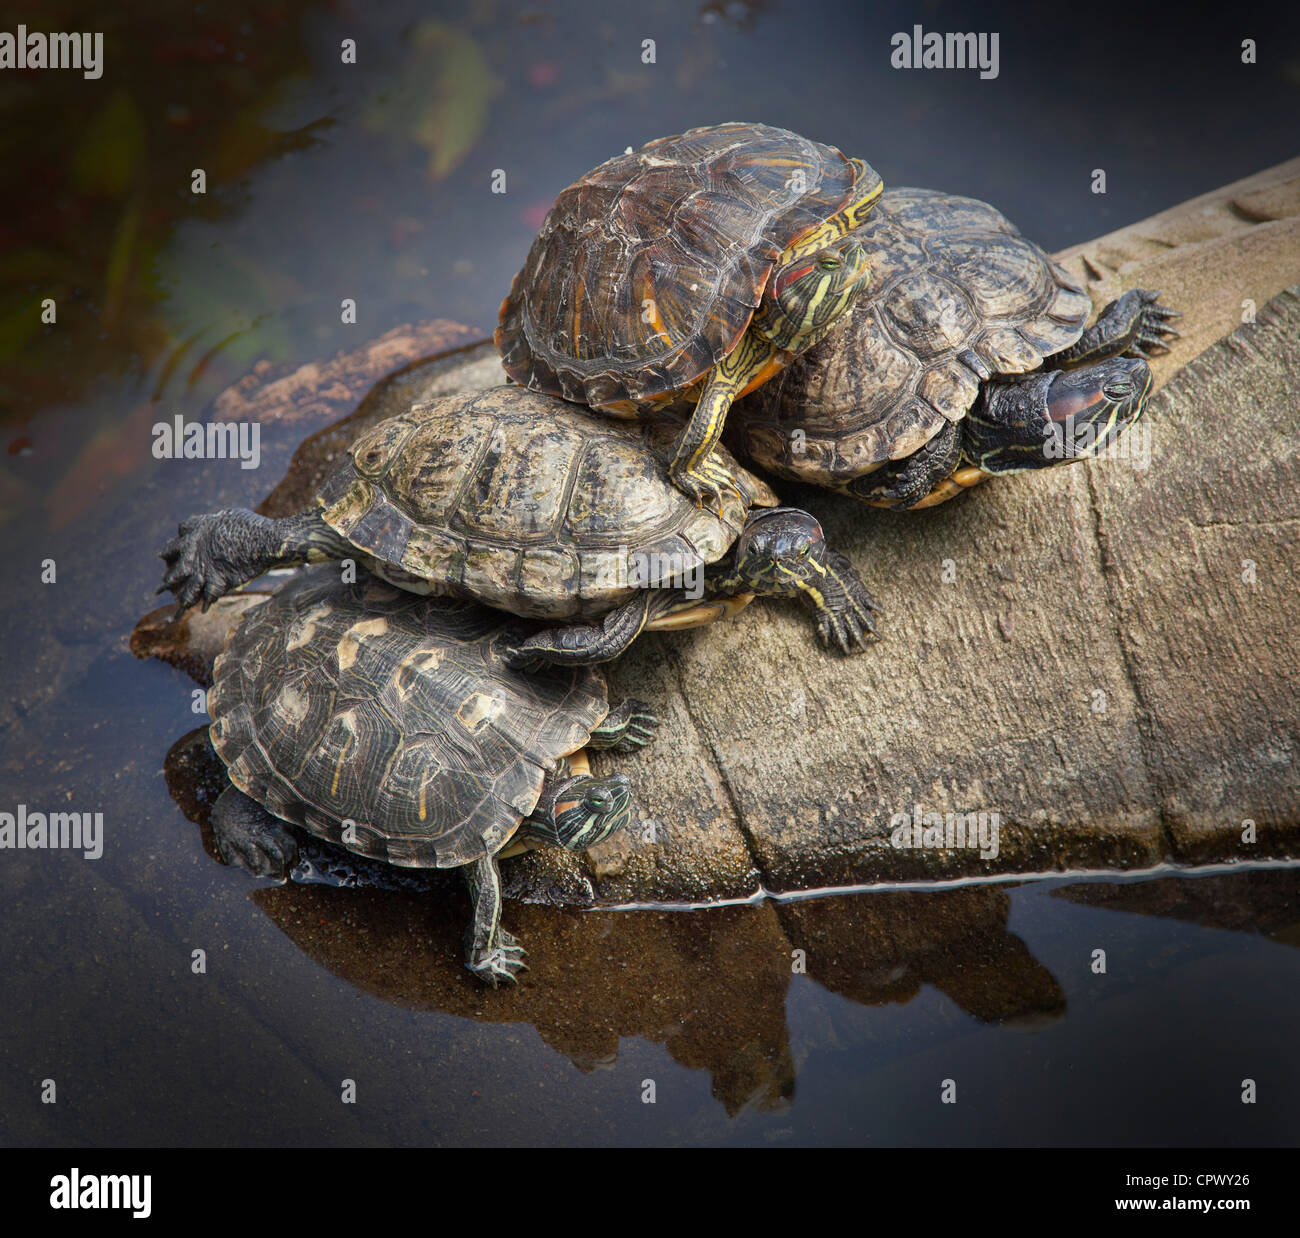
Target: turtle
point(968, 357)
point(685, 273)
point(542, 508)
point(390, 725)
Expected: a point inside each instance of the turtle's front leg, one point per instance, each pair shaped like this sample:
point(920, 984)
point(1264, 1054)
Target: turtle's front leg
point(905, 483)
point(581, 644)
point(845, 610)
point(492, 954)
point(628, 726)
point(215, 553)
point(694, 469)
point(1131, 324)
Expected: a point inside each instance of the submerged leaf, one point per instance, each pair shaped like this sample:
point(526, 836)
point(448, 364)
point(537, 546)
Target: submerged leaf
point(109, 154)
point(443, 97)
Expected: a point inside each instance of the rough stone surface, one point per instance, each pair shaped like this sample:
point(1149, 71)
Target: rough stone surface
point(1084, 652)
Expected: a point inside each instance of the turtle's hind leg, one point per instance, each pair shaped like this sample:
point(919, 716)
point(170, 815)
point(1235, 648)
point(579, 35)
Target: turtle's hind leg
point(249, 836)
point(217, 552)
point(1131, 324)
point(627, 727)
point(582, 644)
point(904, 483)
point(492, 954)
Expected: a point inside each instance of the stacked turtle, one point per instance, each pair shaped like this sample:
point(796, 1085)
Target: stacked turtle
point(534, 531)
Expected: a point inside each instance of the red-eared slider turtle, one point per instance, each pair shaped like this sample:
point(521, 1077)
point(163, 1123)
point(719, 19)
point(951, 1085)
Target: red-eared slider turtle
point(390, 725)
point(541, 508)
point(920, 391)
point(686, 272)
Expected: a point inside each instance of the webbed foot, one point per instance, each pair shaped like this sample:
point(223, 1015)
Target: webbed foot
point(846, 615)
point(499, 963)
point(1151, 323)
point(250, 837)
point(213, 554)
point(626, 728)
point(707, 482)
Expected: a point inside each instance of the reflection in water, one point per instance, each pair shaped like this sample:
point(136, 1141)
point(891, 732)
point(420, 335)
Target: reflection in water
point(1265, 900)
point(711, 986)
point(714, 987)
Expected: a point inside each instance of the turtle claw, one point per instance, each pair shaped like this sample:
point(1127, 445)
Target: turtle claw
point(521, 658)
point(1150, 325)
point(194, 568)
point(848, 616)
point(846, 631)
point(265, 850)
point(706, 485)
point(627, 728)
point(499, 964)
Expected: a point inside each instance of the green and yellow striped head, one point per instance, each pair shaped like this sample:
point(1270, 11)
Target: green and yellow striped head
point(586, 812)
point(804, 298)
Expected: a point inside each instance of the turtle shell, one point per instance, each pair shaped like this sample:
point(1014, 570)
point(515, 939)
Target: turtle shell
point(336, 703)
point(647, 271)
point(528, 503)
point(957, 296)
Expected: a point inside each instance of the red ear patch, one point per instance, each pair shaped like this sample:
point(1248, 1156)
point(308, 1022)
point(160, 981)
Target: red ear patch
point(788, 276)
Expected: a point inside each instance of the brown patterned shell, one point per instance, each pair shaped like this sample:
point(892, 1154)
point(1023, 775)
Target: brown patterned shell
point(528, 503)
point(957, 296)
point(647, 271)
point(364, 703)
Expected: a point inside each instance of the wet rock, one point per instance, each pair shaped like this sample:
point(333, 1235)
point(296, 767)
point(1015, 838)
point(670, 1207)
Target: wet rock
point(192, 639)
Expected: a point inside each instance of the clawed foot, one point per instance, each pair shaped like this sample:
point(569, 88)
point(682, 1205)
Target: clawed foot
point(500, 963)
point(1150, 322)
point(521, 658)
point(848, 616)
point(265, 849)
point(198, 569)
point(629, 727)
point(707, 483)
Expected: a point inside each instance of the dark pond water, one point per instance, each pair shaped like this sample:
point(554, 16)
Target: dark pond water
point(373, 182)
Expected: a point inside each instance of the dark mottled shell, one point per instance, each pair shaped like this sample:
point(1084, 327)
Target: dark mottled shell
point(693, 224)
point(362, 702)
point(528, 503)
point(957, 295)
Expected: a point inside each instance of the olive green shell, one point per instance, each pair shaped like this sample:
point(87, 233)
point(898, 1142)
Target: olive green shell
point(647, 271)
point(363, 703)
point(527, 503)
point(956, 296)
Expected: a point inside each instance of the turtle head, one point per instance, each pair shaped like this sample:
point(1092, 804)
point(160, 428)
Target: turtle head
point(1055, 417)
point(583, 811)
point(781, 551)
point(811, 293)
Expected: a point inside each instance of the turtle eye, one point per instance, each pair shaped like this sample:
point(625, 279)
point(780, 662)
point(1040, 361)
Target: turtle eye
point(1120, 389)
point(828, 263)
